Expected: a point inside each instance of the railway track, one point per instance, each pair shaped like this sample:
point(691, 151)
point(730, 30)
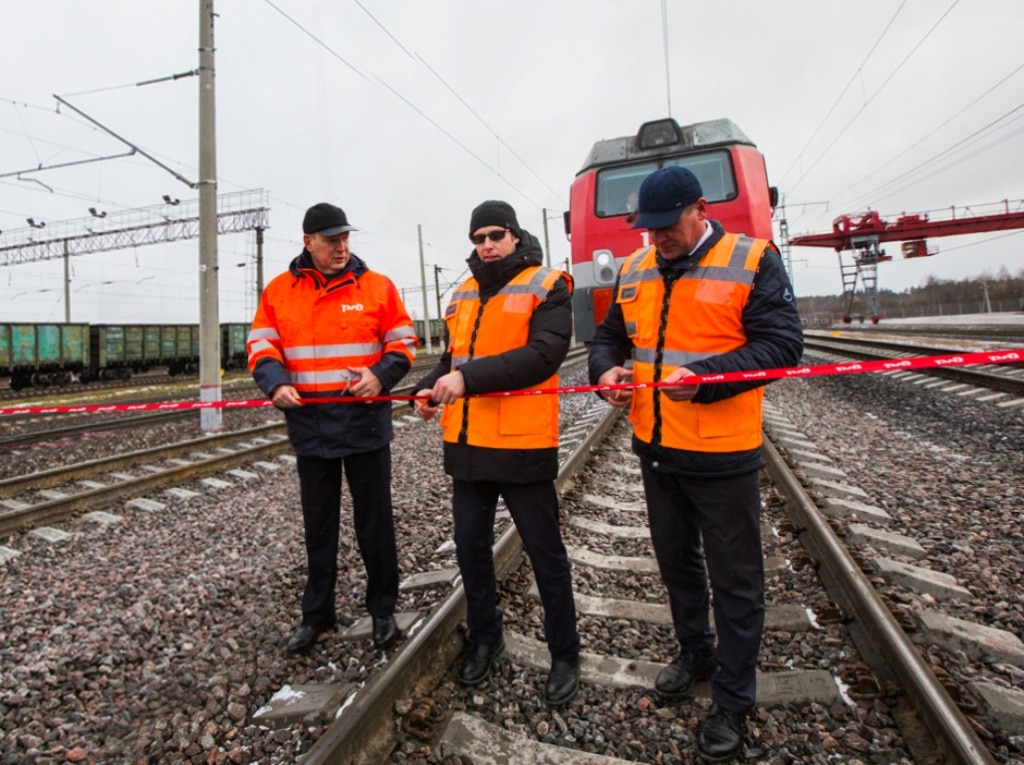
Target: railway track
point(237, 387)
point(72, 489)
point(1006, 378)
point(369, 731)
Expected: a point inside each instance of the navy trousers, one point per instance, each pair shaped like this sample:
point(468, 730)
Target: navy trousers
point(534, 510)
point(369, 481)
point(712, 521)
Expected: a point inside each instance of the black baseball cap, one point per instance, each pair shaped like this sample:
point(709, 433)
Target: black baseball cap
point(325, 219)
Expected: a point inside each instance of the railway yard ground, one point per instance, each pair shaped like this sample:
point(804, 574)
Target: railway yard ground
point(152, 630)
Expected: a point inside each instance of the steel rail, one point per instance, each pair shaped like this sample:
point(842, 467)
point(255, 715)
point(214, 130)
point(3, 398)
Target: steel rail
point(363, 734)
point(1001, 381)
point(58, 509)
point(85, 427)
point(43, 479)
point(947, 723)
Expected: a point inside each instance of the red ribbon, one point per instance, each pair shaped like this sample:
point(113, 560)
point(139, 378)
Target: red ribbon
point(1012, 356)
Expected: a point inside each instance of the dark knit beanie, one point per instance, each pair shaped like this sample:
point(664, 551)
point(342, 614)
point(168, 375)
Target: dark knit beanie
point(494, 213)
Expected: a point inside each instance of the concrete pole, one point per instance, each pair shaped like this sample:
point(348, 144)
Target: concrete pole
point(547, 244)
point(209, 316)
point(259, 264)
point(423, 285)
point(67, 284)
point(437, 294)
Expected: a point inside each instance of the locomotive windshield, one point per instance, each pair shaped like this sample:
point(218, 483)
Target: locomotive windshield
point(617, 187)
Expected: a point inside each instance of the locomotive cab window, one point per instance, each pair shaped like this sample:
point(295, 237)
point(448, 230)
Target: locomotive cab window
point(617, 187)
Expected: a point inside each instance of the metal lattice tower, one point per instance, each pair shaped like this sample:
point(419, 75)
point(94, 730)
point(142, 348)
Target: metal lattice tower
point(159, 224)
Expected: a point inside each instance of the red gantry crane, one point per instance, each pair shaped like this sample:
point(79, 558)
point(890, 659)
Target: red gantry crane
point(860, 234)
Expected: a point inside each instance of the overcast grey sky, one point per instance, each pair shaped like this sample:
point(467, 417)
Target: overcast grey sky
point(409, 113)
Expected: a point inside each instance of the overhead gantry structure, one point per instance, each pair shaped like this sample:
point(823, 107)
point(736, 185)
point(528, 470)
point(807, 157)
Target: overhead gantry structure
point(858, 236)
point(170, 222)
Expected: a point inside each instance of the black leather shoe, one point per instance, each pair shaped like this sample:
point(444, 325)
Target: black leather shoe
point(305, 637)
point(563, 680)
point(676, 681)
point(477, 664)
point(720, 736)
point(385, 632)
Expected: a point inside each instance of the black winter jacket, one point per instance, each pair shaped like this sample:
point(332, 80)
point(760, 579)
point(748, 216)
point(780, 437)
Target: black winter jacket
point(548, 343)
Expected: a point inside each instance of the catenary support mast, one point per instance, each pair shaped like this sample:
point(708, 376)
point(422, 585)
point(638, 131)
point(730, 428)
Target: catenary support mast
point(209, 315)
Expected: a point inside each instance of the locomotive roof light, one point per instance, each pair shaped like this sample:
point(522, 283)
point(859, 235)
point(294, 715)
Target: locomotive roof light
point(659, 133)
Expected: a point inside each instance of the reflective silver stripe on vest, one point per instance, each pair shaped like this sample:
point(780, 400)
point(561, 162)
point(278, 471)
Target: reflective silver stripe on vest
point(673, 358)
point(324, 377)
point(740, 251)
point(535, 287)
point(297, 352)
point(399, 333)
point(643, 275)
point(736, 272)
point(258, 347)
point(634, 273)
point(464, 294)
point(270, 333)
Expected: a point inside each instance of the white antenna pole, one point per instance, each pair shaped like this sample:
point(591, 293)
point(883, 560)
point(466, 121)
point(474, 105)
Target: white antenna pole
point(664, 35)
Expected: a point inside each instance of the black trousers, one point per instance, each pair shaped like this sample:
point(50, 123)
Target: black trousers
point(369, 482)
point(724, 514)
point(534, 509)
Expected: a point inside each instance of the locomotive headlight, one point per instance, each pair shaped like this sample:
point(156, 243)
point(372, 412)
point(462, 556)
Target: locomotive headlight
point(604, 267)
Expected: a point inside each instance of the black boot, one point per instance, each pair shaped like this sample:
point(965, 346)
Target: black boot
point(676, 681)
point(385, 632)
point(720, 736)
point(477, 664)
point(563, 680)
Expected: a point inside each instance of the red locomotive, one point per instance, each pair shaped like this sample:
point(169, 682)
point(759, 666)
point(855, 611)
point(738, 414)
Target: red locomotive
point(603, 199)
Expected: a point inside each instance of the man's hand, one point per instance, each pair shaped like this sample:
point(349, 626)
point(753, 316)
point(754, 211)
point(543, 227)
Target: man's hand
point(616, 376)
point(423, 407)
point(450, 387)
point(366, 385)
point(285, 397)
point(680, 392)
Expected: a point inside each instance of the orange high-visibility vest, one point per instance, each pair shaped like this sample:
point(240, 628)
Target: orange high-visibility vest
point(317, 333)
point(513, 422)
point(704, 318)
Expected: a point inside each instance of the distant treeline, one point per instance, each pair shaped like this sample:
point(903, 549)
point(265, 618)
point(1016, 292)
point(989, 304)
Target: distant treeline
point(936, 297)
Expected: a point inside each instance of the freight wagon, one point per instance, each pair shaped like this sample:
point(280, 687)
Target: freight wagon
point(38, 355)
point(41, 355)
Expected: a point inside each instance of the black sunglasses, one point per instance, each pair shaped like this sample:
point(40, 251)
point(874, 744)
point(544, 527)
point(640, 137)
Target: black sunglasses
point(494, 236)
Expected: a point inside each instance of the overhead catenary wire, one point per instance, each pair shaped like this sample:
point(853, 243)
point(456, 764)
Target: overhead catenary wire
point(905, 150)
point(484, 122)
point(962, 144)
point(961, 160)
point(461, 100)
point(394, 91)
point(874, 95)
point(842, 94)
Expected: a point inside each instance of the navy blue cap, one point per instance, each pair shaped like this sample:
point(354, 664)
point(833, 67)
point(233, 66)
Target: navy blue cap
point(664, 195)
